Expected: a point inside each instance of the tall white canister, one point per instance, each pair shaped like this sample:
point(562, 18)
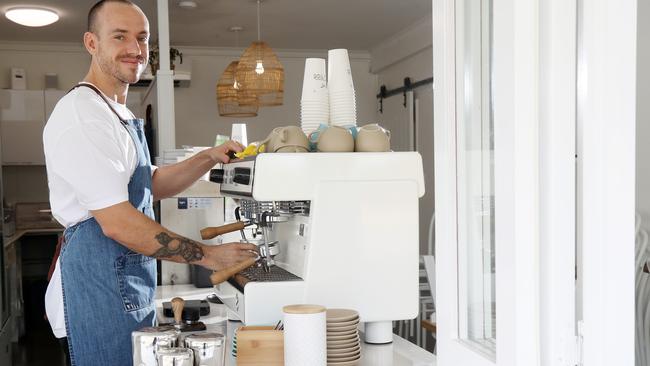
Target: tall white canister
point(305, 335)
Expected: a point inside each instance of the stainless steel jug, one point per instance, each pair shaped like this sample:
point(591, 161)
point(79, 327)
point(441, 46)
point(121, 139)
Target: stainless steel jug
point(208, 348)
point(175, 357)
point(148, 341)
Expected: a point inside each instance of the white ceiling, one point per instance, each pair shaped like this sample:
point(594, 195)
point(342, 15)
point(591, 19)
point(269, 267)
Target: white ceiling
point(288, 24)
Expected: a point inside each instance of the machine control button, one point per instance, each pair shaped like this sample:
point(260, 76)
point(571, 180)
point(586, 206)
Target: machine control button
point(216, 175)
point(242, 176)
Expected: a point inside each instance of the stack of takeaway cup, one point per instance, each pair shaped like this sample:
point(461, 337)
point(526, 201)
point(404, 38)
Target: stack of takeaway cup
point(342, 99)
point(314, 105)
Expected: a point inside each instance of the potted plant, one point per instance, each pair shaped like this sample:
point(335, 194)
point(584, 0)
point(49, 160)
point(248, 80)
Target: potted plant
point(154, 58)
point(173, 53)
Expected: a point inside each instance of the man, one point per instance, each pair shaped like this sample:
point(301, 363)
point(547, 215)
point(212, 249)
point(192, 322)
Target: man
point(102, 186)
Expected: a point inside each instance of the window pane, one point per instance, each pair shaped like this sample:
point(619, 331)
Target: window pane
point(475, 175)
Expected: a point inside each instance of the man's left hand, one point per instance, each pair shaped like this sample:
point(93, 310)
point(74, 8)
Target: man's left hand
point(220, 154)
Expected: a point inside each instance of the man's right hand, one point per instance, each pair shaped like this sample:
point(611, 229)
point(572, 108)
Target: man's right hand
point(218, 257)
point(133, 229)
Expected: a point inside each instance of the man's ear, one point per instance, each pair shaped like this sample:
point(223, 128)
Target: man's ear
point(90, 42)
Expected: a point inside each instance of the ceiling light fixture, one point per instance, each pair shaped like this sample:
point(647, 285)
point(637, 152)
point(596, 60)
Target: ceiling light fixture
point(259, 73)
point(229, 101)
point(32, 17)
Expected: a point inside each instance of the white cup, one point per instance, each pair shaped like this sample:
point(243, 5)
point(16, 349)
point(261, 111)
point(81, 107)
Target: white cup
point(314, 114)
point(323, 106)
point(343, 114)
point(239, 133)
point(313, 111)
point(338, 70)
point(347, 107)
point(320, 104)
point(343, 107)
point(341, 93)
point(338, 115)
point(314, 82)
point(342, 98)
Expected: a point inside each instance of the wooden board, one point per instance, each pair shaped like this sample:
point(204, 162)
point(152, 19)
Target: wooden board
point(260, 346)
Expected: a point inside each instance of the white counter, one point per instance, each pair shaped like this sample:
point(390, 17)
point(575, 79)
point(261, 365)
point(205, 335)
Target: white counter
point(399, 353)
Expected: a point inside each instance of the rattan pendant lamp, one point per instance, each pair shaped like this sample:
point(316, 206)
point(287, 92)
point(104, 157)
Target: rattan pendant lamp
point(228, 100)
point(260, 73)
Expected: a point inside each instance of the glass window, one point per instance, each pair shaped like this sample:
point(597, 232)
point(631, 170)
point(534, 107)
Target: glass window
point(475, 176)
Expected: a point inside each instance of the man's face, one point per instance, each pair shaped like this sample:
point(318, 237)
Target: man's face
point(122, 41)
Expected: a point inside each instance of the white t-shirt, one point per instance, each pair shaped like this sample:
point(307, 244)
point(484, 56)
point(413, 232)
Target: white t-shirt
point(90, 158)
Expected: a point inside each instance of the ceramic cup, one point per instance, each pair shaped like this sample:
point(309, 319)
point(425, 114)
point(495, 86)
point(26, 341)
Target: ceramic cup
point(372, 138)
point(335, 139)
point(269, 142)
point(292, 149)
point(290, 137)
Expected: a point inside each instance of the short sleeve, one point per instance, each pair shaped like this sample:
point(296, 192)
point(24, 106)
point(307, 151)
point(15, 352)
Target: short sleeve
point(90, 157)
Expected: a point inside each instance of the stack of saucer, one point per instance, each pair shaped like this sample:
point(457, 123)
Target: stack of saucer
point(343, 347)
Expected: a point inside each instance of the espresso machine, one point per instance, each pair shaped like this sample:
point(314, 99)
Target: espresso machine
point(334, 229)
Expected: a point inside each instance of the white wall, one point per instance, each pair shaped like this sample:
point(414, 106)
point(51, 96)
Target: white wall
point(409, 54)
point(643, 113)
point(70, 61)
point(197, 120)
point(24, 184)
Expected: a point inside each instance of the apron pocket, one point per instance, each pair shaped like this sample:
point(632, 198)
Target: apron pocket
point(136, 277)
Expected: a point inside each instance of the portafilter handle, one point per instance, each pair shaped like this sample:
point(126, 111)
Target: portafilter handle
point(212, 232)
point(218, 277)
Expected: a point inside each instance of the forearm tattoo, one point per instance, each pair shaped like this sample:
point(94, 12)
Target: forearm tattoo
point(190, 250)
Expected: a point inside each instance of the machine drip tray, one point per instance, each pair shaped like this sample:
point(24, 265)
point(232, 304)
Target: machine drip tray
point(275, 274)
point(257, 274)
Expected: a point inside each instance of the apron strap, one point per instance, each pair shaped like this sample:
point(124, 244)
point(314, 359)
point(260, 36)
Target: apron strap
point(92, 87)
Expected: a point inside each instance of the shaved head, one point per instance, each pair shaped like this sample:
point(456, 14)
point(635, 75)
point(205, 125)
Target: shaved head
point(118, 41)
point(93, 21)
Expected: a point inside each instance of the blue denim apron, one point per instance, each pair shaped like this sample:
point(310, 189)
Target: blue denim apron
point(108, 290)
